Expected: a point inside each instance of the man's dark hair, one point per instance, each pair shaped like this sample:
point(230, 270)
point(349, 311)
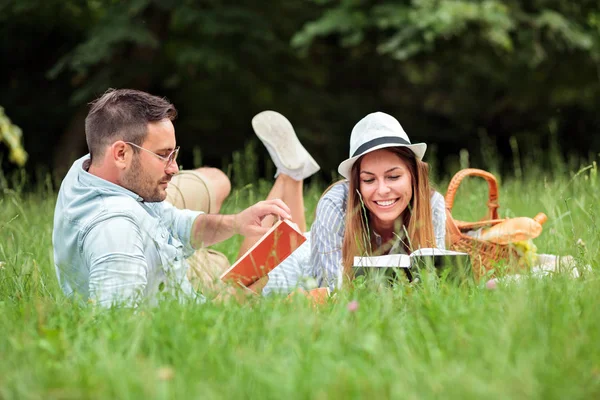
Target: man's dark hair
point(123, 114)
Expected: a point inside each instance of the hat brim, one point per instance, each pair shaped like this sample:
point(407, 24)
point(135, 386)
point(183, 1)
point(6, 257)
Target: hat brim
point(345, 166)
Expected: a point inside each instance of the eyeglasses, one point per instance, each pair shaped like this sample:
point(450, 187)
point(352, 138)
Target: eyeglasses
point(168, 160)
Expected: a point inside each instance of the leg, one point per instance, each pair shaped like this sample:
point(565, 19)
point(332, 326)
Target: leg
point(203, 189)
point(206, 266)
point(294, 198)
point(219, 185)
point(290, 192)
point(293, 163)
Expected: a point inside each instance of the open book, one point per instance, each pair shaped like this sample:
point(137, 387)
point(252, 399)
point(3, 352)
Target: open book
point(267, 253)
point(421, 258)
point(403, 260)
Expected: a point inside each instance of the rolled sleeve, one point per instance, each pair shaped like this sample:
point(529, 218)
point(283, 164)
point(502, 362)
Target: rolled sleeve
point(117, 266)
point(180, 223)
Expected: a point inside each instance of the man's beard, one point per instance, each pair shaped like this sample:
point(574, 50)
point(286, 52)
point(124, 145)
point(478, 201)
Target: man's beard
point(138, 181)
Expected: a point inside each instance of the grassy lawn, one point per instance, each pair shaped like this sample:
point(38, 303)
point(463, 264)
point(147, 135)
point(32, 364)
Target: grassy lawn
point(534, 339)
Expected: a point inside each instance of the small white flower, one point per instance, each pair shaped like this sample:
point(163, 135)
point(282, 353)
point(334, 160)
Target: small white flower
point(310, 283)
point(580, 242)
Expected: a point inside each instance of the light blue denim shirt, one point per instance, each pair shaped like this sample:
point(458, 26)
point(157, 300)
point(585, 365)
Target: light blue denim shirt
point(111, 246)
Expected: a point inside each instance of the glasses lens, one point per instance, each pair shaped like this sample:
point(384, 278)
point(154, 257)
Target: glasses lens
point(173, 156)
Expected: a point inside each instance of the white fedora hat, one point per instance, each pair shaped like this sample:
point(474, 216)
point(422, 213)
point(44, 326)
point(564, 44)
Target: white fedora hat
point(377, 131)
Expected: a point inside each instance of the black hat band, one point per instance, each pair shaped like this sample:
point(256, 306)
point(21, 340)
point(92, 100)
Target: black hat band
point(363, 148)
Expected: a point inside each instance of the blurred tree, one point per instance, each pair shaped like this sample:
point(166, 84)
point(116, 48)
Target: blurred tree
point(220, 62)
point(453, 72)
point(467, 67)
point(11, 135)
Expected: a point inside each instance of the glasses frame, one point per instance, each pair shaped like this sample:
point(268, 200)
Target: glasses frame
point(168, 160)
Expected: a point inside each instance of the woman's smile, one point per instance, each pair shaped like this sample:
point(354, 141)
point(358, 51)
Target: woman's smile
point(386, 203)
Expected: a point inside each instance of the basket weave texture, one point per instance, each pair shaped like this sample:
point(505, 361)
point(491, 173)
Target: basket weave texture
point(485, 255)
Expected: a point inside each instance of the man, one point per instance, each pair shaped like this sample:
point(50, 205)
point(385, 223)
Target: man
point(115, 239)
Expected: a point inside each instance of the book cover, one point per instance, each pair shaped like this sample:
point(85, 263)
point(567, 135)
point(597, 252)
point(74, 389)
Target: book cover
point(267, 253)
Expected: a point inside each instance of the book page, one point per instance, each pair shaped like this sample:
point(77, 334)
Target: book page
point(435, 252)
point(387, 261)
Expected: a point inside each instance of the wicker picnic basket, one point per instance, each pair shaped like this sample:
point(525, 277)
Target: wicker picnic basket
point(485, 255)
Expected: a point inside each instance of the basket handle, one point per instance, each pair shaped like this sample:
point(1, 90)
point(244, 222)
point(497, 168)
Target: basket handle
point(492, 186)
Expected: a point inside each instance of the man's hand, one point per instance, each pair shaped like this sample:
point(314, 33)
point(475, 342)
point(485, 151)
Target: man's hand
point(249, 221)
point(209, 229)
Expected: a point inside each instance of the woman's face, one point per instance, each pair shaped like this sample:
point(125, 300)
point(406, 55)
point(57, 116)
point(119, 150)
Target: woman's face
point(385, 187)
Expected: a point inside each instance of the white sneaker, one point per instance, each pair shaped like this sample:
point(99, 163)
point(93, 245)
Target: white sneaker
point(286, 151)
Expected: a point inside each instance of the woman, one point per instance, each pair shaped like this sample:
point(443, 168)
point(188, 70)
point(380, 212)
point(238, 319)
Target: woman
point(384, 206)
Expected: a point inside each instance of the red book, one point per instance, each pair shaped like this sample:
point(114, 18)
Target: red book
point(268, 252)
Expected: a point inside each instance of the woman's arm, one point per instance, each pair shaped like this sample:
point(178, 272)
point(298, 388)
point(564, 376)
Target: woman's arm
point(438, 216)
point(327, 236)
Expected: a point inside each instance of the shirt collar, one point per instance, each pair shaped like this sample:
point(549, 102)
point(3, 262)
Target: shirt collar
point(90, 180)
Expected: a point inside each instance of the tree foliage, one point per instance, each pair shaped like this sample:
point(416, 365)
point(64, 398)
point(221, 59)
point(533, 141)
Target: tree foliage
point(507, 67)
point(454, 72)
point(11, 135)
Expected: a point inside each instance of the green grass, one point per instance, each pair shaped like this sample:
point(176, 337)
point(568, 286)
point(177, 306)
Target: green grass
point(535, 339)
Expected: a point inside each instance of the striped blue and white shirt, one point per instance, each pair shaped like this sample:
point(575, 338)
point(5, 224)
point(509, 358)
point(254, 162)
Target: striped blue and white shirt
point(320, 257)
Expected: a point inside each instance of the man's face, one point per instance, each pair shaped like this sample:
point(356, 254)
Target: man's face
point(148, 175)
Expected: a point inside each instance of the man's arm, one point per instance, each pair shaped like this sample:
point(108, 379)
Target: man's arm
point(114, 252)
point(209, 229)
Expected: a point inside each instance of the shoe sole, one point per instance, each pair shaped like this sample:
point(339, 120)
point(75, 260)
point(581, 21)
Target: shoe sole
point(310, 167)
point(275, 129)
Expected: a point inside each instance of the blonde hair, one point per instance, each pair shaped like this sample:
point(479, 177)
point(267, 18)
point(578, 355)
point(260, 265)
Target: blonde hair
point(416, 220)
